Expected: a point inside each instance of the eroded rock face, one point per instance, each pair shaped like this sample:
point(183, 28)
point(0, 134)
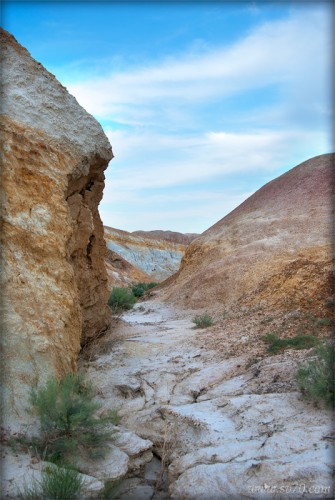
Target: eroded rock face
point(121, 273)
point(275, 249)
point(157, 258)
point(54, 285)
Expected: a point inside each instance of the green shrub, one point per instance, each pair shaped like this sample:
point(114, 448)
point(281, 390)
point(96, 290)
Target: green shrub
point(152, 285)
point(140, 288)
point(121, 299)
point(57, 483)
point(66, 411)
point(203, 321)
point(316, 376)
point(297, 342)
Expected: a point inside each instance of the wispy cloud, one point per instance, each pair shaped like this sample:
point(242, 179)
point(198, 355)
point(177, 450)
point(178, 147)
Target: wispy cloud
point(292, 53)
point(157, 161)
point(168, 130)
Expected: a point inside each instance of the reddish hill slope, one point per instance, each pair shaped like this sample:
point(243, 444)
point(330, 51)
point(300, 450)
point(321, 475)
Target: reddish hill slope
point(273, 250)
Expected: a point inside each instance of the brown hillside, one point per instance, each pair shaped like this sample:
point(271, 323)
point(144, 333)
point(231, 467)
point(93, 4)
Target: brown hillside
point(274, 249)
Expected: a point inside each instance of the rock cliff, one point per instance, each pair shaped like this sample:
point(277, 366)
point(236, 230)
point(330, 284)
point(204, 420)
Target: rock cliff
point(54, 284)
point(272, 250)
point(157, 258)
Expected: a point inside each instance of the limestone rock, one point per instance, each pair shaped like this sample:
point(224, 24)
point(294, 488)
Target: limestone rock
point(54, 284)
point(274, 249)
point(139, 450)
point(264, 480)
point(112, 467)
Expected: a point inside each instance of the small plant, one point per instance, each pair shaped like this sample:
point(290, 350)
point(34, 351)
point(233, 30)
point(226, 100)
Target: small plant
point(66, 411)
point(203, 321)
point(57, 483)
point(297, 342)
point(316, 377)
point(121, 299)
point(140, 288)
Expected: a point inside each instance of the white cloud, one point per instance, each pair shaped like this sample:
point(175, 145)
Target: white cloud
point(293, 53)
point(153, 161)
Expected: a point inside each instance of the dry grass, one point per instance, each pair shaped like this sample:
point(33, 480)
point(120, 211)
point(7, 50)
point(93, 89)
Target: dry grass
point(167, 446)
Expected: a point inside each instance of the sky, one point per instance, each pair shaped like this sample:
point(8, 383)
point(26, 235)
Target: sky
point(203, 102)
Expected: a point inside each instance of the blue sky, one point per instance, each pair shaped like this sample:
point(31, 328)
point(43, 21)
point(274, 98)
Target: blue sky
point(203, 102)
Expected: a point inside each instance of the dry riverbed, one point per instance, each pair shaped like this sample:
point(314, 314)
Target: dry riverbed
point(207, 414)
point(220, 425)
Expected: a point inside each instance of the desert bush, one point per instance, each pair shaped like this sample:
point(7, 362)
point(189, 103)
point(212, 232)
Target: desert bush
point(57, 483)
point(315, 377)
point(140, 288)
point(297, 342)
point(66, 412)
point(121, 299)
point(203, 321)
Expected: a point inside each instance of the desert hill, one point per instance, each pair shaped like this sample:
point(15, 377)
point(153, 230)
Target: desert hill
point(272, 250)
point(173, 236)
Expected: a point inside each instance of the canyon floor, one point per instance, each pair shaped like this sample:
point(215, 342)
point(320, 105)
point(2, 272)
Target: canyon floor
point(224, 417)
point(207, 414)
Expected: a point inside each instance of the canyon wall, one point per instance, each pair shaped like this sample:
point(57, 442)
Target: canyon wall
point(121, 273)
point(157, 258)
point(275, 250)
point(54, 283)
